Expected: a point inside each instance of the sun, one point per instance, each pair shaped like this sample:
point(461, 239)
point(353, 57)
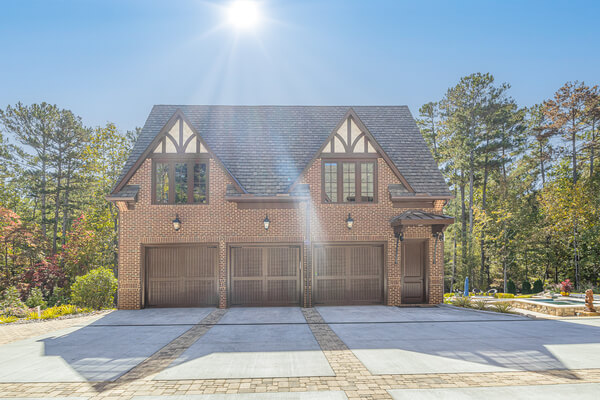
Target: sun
point(243, 14)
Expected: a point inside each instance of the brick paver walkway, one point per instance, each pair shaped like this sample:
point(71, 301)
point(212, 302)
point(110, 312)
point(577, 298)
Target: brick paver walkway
point(351, 375)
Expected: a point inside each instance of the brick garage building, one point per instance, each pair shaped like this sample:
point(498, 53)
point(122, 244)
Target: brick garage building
point(280, 205)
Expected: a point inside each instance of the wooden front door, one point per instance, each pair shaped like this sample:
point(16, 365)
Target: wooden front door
point(265, 275)
point(413, 272)
point(181, 276)
point(348, 274)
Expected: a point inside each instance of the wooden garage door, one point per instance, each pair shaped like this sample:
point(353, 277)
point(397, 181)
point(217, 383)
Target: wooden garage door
point(181, 276)
point(348, 274)
point(265, 275)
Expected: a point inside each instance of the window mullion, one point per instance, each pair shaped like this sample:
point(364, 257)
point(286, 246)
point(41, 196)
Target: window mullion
point(171, 182)
point(190, 182)
point(357, 182)
point(340, 182)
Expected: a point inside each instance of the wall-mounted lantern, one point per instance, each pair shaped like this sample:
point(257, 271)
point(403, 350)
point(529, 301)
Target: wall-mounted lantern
point(267, 223)
point(349, 221)
point(176, 223)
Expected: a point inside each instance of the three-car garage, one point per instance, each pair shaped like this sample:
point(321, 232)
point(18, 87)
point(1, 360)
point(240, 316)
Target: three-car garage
point(187, 275)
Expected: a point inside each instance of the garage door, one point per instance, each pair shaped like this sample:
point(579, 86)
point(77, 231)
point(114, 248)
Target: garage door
point(181, 276)
point(265, 275)
point(348, 274)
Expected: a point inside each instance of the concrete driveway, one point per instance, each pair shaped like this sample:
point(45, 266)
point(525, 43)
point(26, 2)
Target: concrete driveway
point(342, 352)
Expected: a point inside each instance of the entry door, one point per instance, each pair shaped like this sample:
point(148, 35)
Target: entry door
point(181, 276)
point(413, 277)
point(265, 275)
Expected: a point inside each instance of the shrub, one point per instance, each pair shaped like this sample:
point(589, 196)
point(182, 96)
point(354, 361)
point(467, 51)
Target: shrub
point(36, 298)
point(462, 302)
point(59, 296)
point(96, 289)
point(526, 287)
point(448, 295)
point(11, 304)
point(58, 311)
point(566, 286)
point(504, 296)
point(511, 287)
point(480, 304)
point(538, 286)
point(10, 298)
point(8, 319)
point(501, 306)
point(524, 296)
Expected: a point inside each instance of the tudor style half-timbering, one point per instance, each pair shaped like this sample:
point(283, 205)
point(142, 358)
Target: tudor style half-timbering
point(267, 205)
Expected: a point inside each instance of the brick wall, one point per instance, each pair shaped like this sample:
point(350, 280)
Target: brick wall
point(222, 223)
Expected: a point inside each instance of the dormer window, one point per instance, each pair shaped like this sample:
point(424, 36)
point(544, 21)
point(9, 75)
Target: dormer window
point(349, 181)
point(180, 167)
point(180, 181)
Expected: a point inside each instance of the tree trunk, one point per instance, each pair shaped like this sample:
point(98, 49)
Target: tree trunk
point(483, 203)
point(464, 227)
point(593, 146)
point(66, 215)
point(57, 203)
point(543, 171)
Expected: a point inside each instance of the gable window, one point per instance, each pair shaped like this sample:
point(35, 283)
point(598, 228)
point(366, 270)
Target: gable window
point(349, 181)
point(180, 182)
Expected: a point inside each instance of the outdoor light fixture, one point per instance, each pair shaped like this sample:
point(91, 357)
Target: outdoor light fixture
point(349, 222)
point(176, 223)
point(267, 222)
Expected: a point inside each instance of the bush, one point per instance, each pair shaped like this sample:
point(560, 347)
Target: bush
point(11, 304)
point(526, 287)
point(8, 319)
point(59, 296)
point(36, 298)
point(448, 295)
point(502, 307)
point(538, 286)
point(96, 289)
point(58, 311)
point(504, 296)
point(566, 286)
point(480, 304)
point(462, 302)
point(511, 287)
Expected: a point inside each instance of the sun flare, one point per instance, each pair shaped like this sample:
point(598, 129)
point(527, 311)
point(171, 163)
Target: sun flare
point(243, 14)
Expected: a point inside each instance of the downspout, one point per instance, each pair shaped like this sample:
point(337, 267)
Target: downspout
point(308, 273)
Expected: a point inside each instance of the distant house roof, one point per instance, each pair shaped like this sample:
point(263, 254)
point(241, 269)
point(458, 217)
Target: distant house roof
point(266, 148)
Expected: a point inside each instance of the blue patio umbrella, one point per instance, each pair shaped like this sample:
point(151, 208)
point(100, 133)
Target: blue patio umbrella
point(466, 286)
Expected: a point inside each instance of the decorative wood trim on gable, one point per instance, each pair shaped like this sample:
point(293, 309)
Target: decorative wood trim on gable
point(180, 139)
point(174, 128)
point(349, 138)
point(332, 148)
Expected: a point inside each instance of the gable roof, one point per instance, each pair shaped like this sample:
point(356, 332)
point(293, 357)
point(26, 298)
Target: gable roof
point(266, 148)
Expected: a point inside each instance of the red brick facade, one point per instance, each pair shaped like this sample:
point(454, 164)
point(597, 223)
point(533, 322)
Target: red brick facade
point(222, 222)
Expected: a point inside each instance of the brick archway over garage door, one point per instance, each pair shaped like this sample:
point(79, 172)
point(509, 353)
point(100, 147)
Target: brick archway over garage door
point(181, 275)
point(346, 274)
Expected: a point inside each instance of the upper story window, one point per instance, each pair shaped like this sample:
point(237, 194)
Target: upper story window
point(179, 166)
point(349, 181)
point(180, 181)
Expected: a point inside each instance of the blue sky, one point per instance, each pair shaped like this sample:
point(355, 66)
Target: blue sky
point(112, 60)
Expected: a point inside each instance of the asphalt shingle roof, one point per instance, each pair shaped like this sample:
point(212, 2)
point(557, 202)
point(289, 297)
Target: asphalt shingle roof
point(267, 147)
